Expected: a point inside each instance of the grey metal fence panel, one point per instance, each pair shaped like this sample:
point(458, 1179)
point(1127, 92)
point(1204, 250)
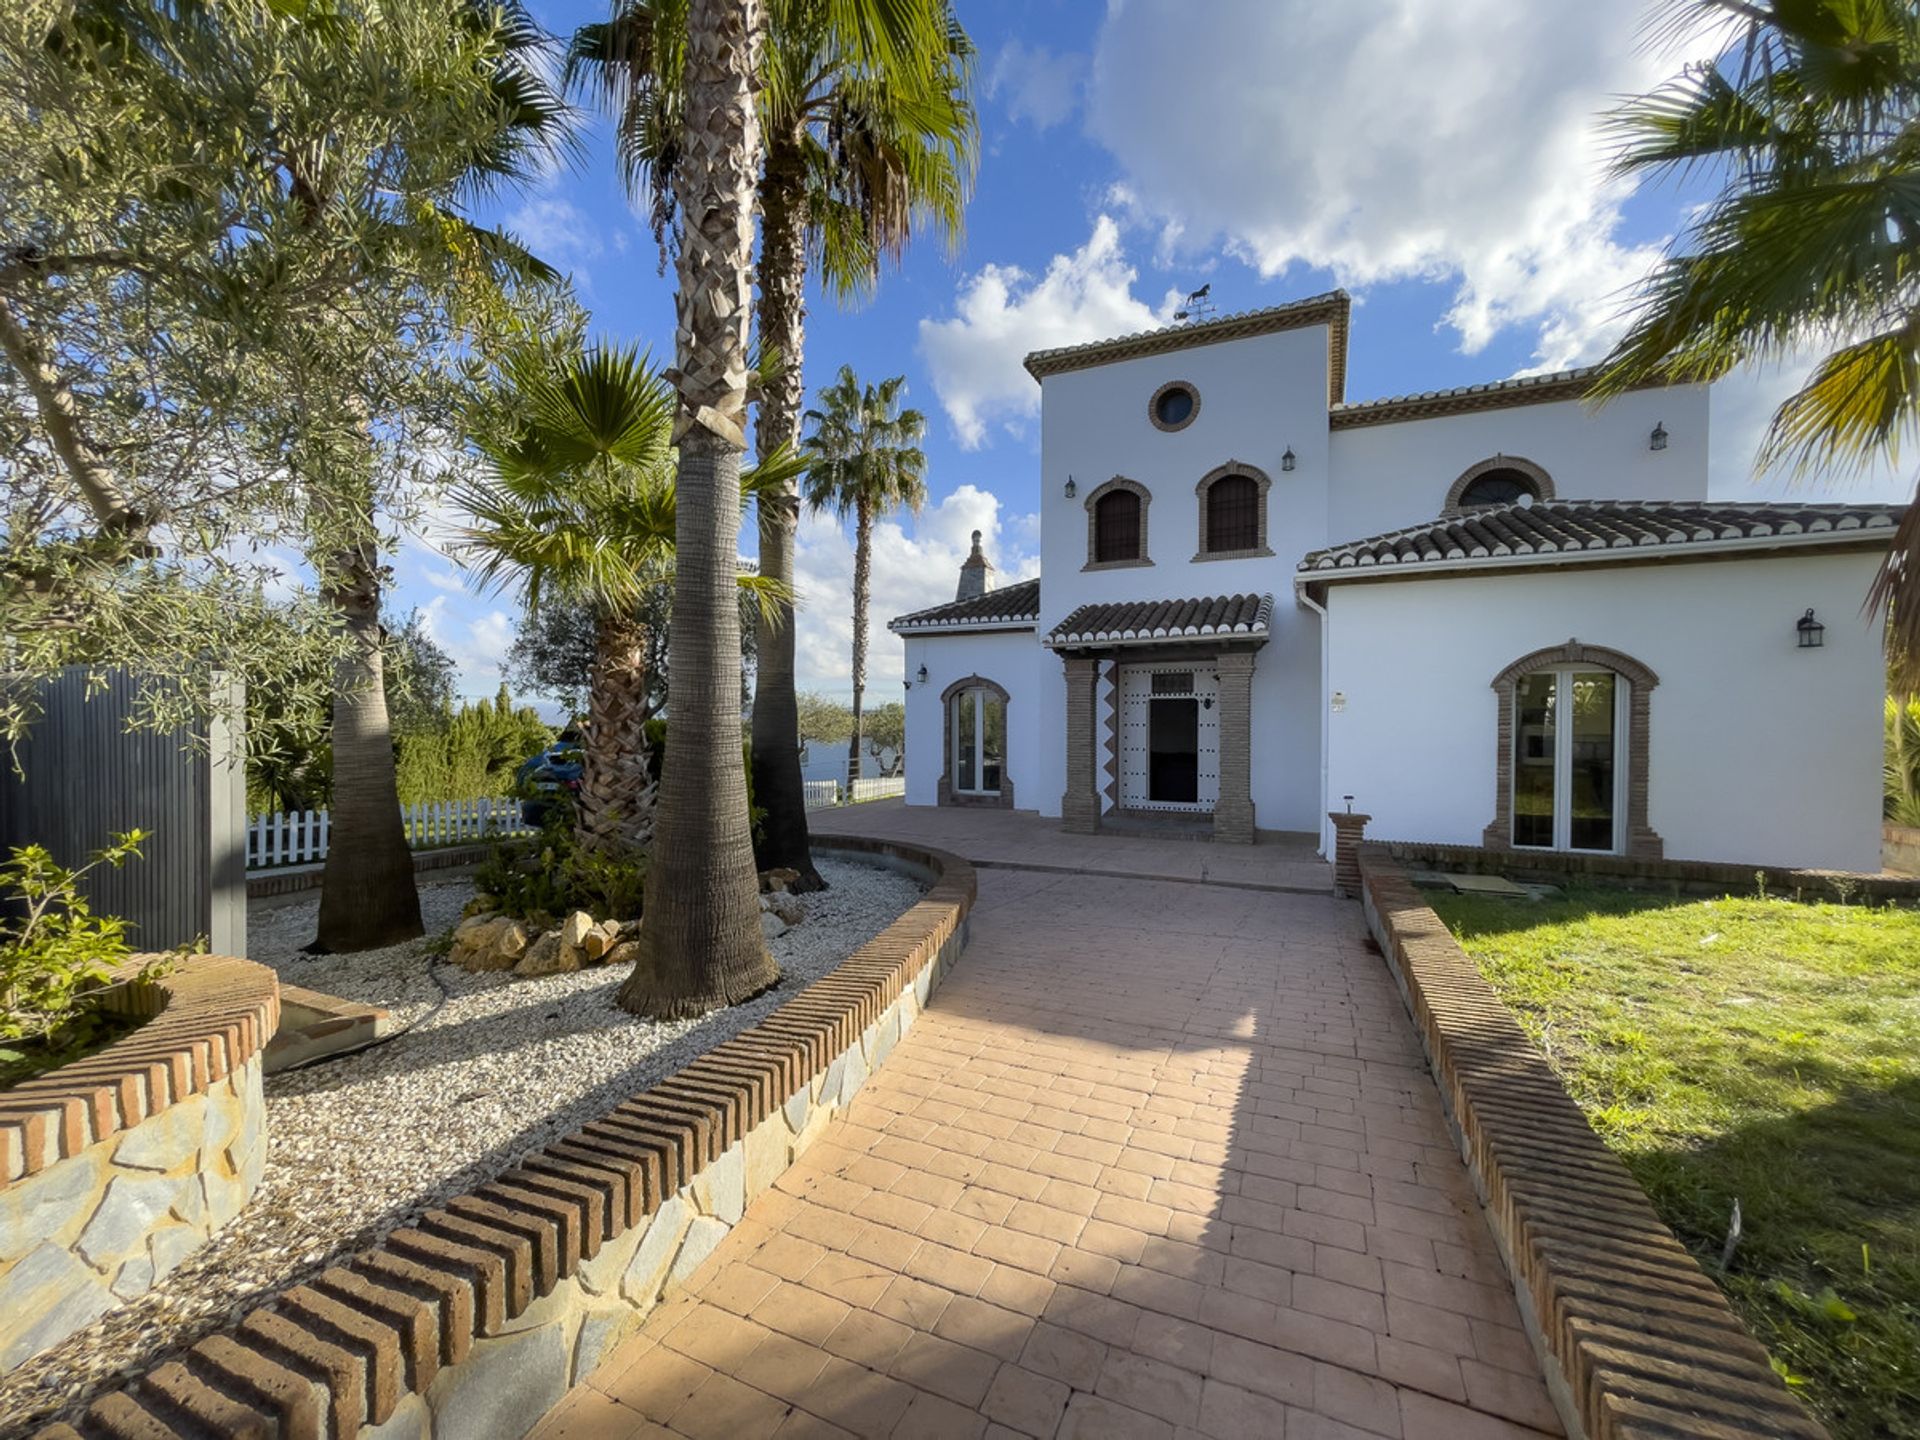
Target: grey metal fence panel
point(84, 775)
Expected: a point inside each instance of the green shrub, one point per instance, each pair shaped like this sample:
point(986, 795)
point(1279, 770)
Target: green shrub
point(54, 950)
point(1903, 760)
point(544, 876)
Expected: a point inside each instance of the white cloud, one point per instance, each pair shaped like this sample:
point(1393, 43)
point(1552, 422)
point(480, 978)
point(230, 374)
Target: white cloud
point(1450, 140)
point(1002, 312)
point(477, 640)
point(560, 233)
point(1037, 85)
point(916, 563)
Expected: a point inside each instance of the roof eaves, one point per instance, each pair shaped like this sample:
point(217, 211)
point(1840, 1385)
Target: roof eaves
point(1545, 389)
point(1333, 309)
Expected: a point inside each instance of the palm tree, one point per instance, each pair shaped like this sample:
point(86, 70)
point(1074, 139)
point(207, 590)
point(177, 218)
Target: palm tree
point(865, 461)
point(701, 945)
point(578, 506)
point(1808, 116)
point(864, 143)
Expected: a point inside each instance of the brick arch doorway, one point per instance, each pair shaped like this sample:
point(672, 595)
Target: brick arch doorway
point(974, 768)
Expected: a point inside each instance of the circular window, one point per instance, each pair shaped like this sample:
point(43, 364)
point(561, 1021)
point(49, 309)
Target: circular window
point(1498, 487)
point(1173, 406)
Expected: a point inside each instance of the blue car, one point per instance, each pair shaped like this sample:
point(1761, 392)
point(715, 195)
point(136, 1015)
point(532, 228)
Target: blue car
point(555, 769)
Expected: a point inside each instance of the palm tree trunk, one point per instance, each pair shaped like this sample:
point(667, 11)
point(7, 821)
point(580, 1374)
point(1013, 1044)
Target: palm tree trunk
point(615, 808)
point(368, 898)
point(862, 578)
point(701, 944)
point(777, 784)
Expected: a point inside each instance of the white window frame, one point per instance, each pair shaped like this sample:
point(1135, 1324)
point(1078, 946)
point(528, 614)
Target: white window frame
point(1563, 759)
point(979, 695)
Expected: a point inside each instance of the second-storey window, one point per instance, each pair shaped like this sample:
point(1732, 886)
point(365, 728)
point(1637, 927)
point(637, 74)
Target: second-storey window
point(1233, 513)
point(1116, 527)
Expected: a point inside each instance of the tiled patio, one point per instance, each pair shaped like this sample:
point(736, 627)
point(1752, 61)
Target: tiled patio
point(1018, 839)
point(1160, 1160)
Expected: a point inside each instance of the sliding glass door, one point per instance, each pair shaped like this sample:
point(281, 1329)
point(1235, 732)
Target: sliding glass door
point(1568, 728)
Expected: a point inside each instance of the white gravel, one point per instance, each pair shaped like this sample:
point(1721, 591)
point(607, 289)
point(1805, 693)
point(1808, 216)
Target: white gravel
point(360, 1145)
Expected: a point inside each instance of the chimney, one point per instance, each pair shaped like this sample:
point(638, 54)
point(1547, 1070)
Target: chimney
point(976, 576)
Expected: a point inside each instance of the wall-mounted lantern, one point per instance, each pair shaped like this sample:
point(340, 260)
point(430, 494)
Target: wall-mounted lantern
point(923, 674)
point(1658, 439)
point(1287, 460)
point(1812, 633)
point(1072, 489)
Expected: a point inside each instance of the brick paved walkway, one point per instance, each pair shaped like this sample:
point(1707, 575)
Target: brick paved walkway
point(1161, 1160)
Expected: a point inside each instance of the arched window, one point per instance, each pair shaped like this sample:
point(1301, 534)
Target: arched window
point(1573, 753)
point(974, 771)
point(1502, 480)
point(1233, 512)
point(1117, 524)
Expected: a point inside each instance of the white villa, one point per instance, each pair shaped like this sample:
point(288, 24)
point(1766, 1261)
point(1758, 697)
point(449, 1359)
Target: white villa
point(1491, 616)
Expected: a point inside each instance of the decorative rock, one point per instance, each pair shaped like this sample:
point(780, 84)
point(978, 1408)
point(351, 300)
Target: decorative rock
point(127, 1212)
point(595, 944)
point(625, 953)
point(49, 1294)
point(777, 880)
point(480, 904)
point(573, 929)
point(548, 956)
point(789, 908)
point(772, 926)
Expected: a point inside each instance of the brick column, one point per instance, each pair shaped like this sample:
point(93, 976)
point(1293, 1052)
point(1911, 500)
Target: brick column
point(1080, 805)
point(1348, 832)
point(1233, 811)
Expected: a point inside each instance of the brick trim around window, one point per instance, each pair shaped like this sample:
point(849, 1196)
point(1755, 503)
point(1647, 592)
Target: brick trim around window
point(1642, 841)
point(1542, 482)
point(1153, 406)
point(1262, 482)
point(944, 793)
point(1118, 482)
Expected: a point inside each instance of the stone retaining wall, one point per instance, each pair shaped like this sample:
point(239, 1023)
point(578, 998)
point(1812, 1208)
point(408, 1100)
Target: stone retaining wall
point(1900, 848)
point(1633, 1337)
point(1633, 872)
point(119, 1166)
point(471, 1323)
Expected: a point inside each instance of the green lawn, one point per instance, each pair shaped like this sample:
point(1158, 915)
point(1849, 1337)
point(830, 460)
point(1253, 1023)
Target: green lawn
point(1751, 1049)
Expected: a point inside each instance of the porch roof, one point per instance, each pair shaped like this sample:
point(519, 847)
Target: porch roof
point(1012, 607)
point(1562, 532)
point(1152, 622)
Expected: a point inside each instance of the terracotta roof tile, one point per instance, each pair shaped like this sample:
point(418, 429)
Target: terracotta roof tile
point(1010, 607)
point(1563, 531)
point(1135, 621)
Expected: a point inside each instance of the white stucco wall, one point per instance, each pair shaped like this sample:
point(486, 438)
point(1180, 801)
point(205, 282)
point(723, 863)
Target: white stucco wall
point(1760, 752)
point(1011, 660)
point(1385, 477)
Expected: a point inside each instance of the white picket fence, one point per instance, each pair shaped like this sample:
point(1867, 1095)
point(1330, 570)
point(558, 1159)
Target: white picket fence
point(825, 794)
point(301, 836)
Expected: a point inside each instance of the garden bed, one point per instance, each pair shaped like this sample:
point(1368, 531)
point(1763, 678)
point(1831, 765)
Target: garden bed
point(496, 1066)
point(1759, 1050)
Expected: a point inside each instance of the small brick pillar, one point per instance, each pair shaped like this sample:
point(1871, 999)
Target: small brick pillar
point(1233, 810)
point(1348, 831)
point(1080, 805)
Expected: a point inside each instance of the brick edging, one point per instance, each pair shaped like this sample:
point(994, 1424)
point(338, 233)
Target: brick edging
point(444, 1294)
point(1634, 1338)
point(210, 1016)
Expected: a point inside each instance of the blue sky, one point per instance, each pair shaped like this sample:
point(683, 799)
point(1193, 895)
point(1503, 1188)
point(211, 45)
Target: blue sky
point(1436, 157)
